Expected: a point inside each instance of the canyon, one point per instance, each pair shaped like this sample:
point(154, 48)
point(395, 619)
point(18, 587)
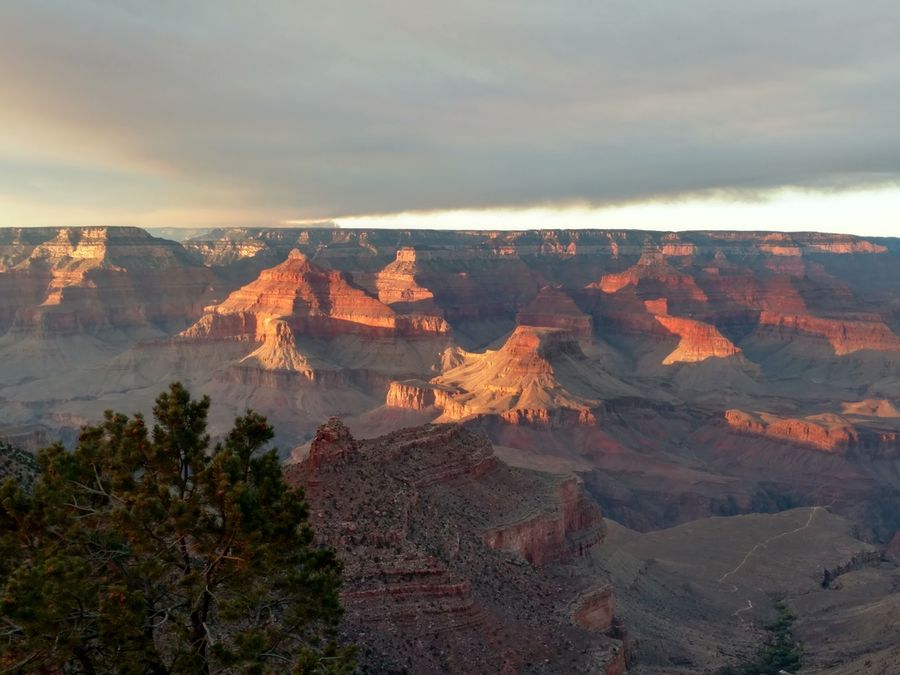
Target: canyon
point(514, 408)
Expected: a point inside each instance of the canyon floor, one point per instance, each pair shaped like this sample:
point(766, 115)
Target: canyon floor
point(660, 434)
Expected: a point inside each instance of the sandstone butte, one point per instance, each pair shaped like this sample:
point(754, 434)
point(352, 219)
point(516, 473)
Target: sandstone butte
point(522, 375)
point(312, 301)
point(396, 284)
point(483, 567)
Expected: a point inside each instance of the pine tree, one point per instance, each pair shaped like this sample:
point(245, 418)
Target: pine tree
point(149, 552)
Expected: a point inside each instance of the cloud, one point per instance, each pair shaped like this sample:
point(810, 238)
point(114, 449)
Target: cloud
point(294, 110)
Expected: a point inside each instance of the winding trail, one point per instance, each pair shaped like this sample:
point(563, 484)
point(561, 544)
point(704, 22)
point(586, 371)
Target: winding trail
point(756, 547)
point(763, 544)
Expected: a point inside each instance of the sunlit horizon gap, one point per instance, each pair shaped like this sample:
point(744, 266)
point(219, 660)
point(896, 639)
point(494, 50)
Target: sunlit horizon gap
point(868, 212)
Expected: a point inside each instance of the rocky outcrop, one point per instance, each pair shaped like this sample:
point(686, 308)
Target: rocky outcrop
point(596, 610)
point(543, 418)
point(698, 341)
point(553, 308)
point(673, 247)
point(531, 351)
point(447, 400)
point(411, 394)
point(311, 301)
point(844, 335)
point(396, 284)
point(827, 432)
point(279, 350)
point(840, 244)
point(572, 528)
point(227, 251)
point(872, 408)
point(520, 382)
point(333, 443)
point(420, 395)
point(445, 453)
point(654, 274)
point(522, 375)
point(85, 280)
point(409, 516)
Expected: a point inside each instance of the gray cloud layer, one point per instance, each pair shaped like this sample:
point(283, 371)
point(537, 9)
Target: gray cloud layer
point(317, 109)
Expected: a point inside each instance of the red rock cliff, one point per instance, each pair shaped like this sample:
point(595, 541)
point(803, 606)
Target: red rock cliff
point(572, 528)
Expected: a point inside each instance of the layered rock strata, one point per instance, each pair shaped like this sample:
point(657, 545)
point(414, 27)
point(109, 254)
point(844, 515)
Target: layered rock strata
point(698, 341)
point(827, 432)
point(413, 516)
point(84, 280)
point(312, 301)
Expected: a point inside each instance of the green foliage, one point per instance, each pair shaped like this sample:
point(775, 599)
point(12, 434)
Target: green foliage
point(147, 552)
point(780, 652)
point(17, 464)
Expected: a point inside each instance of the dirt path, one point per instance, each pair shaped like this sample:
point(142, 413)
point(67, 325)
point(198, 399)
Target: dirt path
point(763, 544)
point(734, 589)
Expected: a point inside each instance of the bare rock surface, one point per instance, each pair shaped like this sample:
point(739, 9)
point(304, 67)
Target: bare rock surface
point(455, 562)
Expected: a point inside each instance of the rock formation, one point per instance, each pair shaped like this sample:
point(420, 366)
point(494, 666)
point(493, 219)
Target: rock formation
point(447, 559)
point(828, 432)
point(332, 444)
point(552, 308)
point(570, 529)
point(521, 375)
point(652, 271)
point(596, 610)
point(312, 301)
point(844, 335)
point(396, 284)
point(698, 341)
point(618, 352)
point(83, 280)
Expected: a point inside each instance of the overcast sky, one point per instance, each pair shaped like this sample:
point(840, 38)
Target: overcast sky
point(765, 114)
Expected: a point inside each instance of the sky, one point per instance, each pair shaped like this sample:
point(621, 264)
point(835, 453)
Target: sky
point(697, 114)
